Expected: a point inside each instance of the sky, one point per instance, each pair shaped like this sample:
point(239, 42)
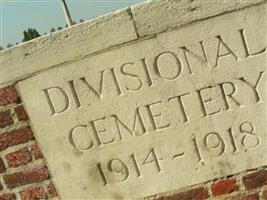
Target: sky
point(19, 15)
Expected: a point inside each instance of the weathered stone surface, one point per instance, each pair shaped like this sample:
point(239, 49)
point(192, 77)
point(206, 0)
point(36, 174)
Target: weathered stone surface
point(109, 30)
point(62, 46)
point(156, 16)
point(182, 108)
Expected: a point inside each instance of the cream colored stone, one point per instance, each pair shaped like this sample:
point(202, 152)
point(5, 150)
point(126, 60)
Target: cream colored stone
point(107, 31)
point(156, 16)
point(65, 45)
point(178, 109)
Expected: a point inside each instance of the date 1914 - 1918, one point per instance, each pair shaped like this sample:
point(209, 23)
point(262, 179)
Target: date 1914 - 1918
point(116, 170)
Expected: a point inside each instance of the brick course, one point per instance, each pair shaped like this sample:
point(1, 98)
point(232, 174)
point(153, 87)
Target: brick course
point(194, 194)
point(8, 196)
point(11, 135)
point(26, 177)
point(2, 166)
point(15, 137)
point(247, 197)
point(8, 95)
point(51, 190)
point(255, 180)
point(5, 118)
point(36, 152)
point(34, 193)
point(18, 158)
point(265, 195)
point(224, 187)
point(21, 113)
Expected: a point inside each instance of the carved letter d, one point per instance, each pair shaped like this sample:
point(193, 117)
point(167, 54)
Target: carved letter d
point(60, 101)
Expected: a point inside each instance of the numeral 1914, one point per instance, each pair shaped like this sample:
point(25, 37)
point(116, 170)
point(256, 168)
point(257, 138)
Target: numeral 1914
point(117, 170)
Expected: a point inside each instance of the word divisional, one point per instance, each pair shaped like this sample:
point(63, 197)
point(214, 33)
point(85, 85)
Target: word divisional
point(177, 109)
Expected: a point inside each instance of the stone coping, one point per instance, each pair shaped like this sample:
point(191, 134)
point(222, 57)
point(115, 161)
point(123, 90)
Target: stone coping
point(108, 31)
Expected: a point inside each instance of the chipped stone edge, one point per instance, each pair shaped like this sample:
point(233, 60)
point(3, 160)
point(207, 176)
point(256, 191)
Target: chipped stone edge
point(156, 16)
point(72, 43)
point(20, 50)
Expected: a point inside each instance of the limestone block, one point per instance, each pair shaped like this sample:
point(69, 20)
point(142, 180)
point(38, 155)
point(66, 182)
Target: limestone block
point(184, 107)
point(65, 45)
point(159, 15)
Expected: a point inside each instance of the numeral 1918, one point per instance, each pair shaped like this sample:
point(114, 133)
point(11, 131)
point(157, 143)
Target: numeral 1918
point(216, 144)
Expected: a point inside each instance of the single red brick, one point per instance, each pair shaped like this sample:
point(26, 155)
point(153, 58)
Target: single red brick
point(255, 180)
point(265, 195)
point(2, 166)
point(194, 194)
point(247, 197)
point(34, 193)
point(9, 196)
point(51, 190)
point(8, 95)
point(18, 158)
point(21, 113)
point(36, 152)
point(224, 187)
point(26, 177)
point(5, 118)
point(16, 136)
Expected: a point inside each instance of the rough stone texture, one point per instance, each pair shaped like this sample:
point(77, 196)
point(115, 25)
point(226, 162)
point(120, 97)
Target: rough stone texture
point(106, 31)
point(96, 149)
point(159, 15)
point(62, 46)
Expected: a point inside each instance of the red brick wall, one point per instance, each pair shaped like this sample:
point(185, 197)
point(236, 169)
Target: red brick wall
point(25, 176)
point(23, 173)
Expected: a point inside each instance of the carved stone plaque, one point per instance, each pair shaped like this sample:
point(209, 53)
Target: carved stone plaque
point(181, 108)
